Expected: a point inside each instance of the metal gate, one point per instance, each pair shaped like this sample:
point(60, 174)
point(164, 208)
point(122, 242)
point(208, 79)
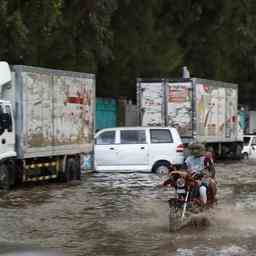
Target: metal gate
point(106, 113)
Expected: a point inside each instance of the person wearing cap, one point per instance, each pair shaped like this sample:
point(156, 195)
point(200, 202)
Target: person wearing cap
point(197, 165)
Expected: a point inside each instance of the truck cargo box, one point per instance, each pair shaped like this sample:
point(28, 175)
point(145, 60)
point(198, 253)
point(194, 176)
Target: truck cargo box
point(54, 111)
point(202, 110)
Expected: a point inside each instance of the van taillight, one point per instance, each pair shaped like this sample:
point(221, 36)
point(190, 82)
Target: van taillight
point(180, 148)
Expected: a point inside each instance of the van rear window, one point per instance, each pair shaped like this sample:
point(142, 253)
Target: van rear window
point(160, 136)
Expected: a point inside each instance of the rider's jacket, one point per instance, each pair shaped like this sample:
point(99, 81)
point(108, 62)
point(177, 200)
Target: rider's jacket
point(195, 165)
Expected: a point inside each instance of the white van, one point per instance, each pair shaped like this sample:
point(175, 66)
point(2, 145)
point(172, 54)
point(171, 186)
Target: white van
point(249, 147)
point(137, 149)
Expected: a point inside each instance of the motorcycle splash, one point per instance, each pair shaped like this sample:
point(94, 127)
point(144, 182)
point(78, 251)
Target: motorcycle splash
point(187, 205)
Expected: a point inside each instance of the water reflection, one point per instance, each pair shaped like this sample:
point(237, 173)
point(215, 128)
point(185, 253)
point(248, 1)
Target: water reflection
point(127, 214)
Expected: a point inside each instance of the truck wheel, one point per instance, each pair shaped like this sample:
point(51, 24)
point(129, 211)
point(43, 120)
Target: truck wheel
point(67, 174)
point(238, 152)
point(4, 177)
point(13, 172)
point(70, 170)
point(77, 169)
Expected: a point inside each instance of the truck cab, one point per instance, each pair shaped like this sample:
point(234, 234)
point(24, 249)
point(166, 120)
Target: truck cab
point(7, 132)
point(7, 128)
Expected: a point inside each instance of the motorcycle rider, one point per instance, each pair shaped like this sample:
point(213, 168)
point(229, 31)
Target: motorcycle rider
point(198, 165)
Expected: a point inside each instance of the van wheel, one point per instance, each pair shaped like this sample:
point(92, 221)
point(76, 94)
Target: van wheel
point(245, 156)
point(162, 168)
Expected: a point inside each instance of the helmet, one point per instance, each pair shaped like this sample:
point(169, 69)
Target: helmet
point(196, 149)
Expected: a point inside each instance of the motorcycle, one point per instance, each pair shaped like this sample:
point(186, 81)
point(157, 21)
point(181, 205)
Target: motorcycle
point(186, 201)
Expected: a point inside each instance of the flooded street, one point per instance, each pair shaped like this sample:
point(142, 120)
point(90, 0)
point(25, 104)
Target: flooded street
point(127, 214)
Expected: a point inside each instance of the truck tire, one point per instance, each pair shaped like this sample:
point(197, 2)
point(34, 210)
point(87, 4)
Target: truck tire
point(4, 177)
point(13, 172)
point(70, 170)
point(77, 169)
point(66, 174)
point(238, 153)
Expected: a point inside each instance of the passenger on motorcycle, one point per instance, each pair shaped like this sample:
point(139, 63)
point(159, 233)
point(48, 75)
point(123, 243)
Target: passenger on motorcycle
point(198, 164)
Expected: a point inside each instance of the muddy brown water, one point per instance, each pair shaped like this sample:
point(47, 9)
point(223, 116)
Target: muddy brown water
point(127, 214)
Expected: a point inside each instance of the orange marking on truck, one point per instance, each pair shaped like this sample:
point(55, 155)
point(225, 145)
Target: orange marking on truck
point(74, 100)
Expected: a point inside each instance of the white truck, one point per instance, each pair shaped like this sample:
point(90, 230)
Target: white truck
point(46, 123)
point(203, 111)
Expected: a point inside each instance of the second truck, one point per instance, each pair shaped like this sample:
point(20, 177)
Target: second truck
point(202, 110)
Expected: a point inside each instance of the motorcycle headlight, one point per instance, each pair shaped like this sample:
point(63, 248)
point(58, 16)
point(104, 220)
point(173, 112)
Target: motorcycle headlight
point(180, 183)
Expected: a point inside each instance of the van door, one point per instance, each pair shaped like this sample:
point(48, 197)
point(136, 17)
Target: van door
point(162, 146)
point(105, 150)
point(133, 150)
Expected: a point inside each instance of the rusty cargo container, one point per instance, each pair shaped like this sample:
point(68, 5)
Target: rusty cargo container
point(204, 111)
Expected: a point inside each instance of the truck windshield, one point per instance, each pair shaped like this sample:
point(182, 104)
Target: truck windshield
point(246, 141)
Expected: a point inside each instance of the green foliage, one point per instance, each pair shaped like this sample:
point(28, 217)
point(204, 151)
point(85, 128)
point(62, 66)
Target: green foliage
point(87, 33)
point(13, 33)
point(42, 19)
point(121, 40)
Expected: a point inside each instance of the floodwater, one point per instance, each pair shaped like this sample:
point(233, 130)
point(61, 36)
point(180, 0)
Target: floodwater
point(127, 214)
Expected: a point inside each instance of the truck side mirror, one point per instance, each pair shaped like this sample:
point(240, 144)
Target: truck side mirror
point(5, 72)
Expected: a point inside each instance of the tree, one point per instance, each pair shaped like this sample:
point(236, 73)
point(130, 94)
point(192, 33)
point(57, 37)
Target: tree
point(43, 20)
point(141, 49)
point(13, 33)
point(87, 33)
